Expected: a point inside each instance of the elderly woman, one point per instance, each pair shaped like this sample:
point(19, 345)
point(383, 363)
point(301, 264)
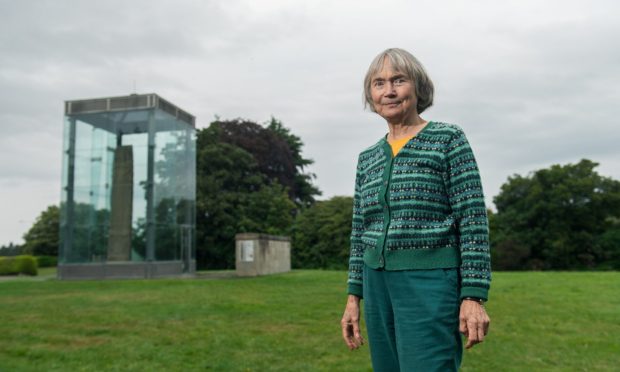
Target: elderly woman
point(419, 245)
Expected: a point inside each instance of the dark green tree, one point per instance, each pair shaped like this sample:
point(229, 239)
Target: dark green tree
point(321, 234)
point(10, 249)
point(277, 153)
point(42, 239)
point(555, 218)
point(303, 189)
point(608, 245)
point(233, 196)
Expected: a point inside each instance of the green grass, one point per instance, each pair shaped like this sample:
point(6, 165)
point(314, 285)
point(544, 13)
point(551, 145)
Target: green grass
point(289, 322)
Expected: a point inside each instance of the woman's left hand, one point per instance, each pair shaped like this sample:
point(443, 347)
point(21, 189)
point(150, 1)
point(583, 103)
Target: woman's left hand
point(473, 322)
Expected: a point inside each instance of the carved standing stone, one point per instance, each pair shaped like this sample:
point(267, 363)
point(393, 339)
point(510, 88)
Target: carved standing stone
point(119, 242)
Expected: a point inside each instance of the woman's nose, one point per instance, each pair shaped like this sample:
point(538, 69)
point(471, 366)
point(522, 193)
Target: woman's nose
point(389, 89)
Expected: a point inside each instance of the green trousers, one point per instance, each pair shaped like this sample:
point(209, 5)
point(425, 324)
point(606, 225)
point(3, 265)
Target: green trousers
point(412, 319)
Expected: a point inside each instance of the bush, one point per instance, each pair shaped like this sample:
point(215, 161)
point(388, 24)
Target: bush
point(18, 265)
point(6, 265)
point(26, 265)
point(47, 261)
point(321, 235)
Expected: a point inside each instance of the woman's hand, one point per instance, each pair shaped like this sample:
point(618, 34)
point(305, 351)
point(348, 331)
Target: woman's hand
point(351, 323)
point(473, 322)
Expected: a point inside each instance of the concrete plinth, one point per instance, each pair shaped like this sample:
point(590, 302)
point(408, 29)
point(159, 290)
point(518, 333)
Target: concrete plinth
point(125, 270)
point(262, 254)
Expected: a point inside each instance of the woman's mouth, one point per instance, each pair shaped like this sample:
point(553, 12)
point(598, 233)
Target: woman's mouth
point(392, 104)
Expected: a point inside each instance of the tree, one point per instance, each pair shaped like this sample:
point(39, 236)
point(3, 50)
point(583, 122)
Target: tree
point(233, 196)
point(554, 218)
point(303, 189)
point(277, 153)
point(10, 249)
point(42, 239)
point(321, 234)
point(608, 244)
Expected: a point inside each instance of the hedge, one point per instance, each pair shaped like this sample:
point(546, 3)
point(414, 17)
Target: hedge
point(47, 261)
point(18, 265)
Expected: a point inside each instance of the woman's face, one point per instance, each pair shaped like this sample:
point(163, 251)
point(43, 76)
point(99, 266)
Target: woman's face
point(393, 95)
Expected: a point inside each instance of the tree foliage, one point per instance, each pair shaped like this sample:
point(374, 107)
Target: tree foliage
point(245, 173)
point(10, 249)
point(42, 239)
point(563, 217)
point(321, 234)
point(303, 190)
point(277, 153)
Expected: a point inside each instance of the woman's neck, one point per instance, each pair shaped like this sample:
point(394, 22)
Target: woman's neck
point(403, 130)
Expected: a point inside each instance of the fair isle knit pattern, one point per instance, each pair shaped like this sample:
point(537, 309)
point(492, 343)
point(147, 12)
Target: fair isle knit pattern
point(422, 209)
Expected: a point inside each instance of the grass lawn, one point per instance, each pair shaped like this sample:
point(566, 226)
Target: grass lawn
point(289, 322)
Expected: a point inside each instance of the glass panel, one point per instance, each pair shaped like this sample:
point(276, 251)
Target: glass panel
point(174, 187)
point(132, 134)
point(94, 151)
point(65, 174)
point(65, 233)
point(190, 134)
point(86, 225)
point(139, 145)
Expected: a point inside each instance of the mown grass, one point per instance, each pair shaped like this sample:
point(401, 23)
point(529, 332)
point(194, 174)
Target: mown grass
point(288, 322)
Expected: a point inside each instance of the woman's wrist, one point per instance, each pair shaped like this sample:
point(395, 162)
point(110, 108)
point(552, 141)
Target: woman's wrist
point(353, 298)
point(475, 299)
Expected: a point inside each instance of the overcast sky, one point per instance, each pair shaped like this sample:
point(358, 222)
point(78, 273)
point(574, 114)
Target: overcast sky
point(532, 83)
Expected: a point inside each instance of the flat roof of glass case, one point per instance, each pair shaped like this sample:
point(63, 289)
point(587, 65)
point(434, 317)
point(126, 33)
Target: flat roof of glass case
point(125, 103)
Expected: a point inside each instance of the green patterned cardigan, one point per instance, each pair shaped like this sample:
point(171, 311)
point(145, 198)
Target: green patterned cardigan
point(421, 209)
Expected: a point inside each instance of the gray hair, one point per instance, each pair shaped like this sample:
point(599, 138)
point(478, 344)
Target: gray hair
point(403, 62)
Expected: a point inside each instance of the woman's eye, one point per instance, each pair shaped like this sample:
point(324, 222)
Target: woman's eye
point(399, 81)
point(378, 84)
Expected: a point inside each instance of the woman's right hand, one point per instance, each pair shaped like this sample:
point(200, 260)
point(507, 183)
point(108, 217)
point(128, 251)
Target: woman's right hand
point(351, 323)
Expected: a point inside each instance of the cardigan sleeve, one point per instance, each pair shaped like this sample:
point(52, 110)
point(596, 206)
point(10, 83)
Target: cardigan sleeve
point(466, 198)
point(356, 256)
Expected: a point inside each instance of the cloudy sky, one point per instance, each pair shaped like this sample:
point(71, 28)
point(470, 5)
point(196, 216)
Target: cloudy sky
point(533, 83)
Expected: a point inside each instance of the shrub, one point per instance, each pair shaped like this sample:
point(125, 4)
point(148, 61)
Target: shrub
point(18, 265)
point(26, 265)
point(321, 235)
point(6, 265)
point(47, 261)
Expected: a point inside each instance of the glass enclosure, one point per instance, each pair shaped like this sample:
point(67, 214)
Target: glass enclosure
point(128, 182)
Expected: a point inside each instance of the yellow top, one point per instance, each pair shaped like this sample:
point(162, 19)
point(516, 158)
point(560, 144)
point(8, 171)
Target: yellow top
point(398, 144)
